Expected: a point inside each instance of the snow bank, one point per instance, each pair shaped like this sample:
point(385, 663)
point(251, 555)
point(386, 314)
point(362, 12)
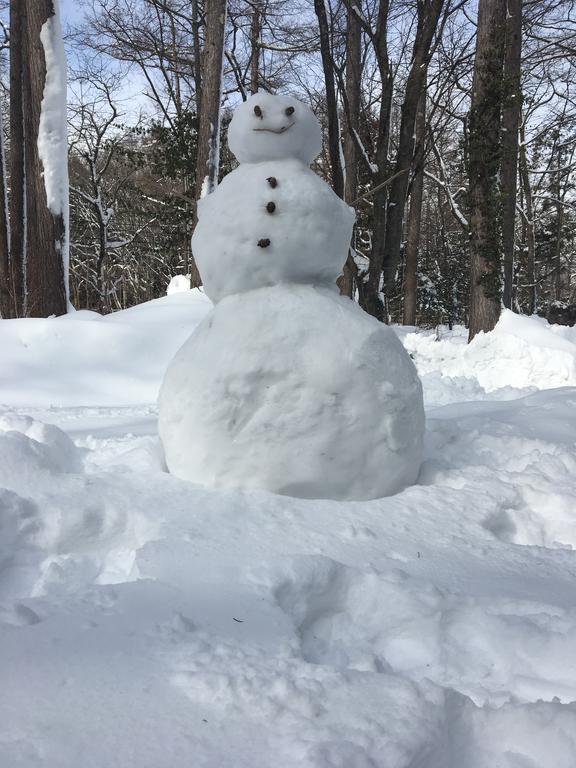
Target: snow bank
point(521, 352)
point(178, 284)
point(60, 361)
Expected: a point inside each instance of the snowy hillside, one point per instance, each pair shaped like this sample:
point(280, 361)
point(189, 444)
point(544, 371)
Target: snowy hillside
point(149, 623)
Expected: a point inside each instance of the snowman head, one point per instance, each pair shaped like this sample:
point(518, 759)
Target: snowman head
point(267, 127)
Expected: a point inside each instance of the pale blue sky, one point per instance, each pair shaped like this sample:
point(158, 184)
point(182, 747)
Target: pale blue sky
point(71, 11)
point(131, 99)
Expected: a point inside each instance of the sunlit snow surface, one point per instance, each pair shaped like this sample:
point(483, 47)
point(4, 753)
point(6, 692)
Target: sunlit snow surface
point(148, 623)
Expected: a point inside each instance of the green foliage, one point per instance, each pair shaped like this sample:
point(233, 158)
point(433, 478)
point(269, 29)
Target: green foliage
point(175, 146)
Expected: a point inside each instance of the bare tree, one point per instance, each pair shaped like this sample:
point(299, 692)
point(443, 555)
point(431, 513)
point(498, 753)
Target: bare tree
point(484, 167)
point(334, 148)
point(255, 30)
point(512, 103)
point(209, 123)
point(6, 308)
point(17, 174)
point(37, 222)
point(414, 217)
point(428, 15)
point(350, 148)
point(378, 167)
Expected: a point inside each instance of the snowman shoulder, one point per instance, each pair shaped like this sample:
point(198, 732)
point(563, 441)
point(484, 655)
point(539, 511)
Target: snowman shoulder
point(314, 186)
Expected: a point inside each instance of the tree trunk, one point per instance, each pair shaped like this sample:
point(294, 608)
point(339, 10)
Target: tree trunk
point(414, 218)
point(197, 55)
point(101, 257)
point(331, 101)
point(557, 293)
point(370, 290)
point(353, 78)
point(484, 165)
point(17, 188)
point(5, 299)
point(510, 123)
point(255, 48)
point(428, 16)
point(529, 223)
point(45, 229)
point(209, 120)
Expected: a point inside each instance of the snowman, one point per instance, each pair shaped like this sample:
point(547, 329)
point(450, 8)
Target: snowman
point(286, 386)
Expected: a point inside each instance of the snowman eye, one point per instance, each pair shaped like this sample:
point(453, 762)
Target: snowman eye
point(258, 111)
point(290, 111)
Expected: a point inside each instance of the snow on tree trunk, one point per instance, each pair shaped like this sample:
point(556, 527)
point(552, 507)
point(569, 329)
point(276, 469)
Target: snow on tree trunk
point(45, 160)
point(53, 131)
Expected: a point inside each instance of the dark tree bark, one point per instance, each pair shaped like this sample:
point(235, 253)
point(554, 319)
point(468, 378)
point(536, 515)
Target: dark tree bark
point(17, 198)
point(530, 236)
point(197, 55)
point(428, 17)
point(209, 119)
point(5, 297)
point(510, 123)
point(350, 150)
point(255, 29)
point(370, 290)
point(331, 101)
point(414, 218)
point(485, 151)
point(45, 293)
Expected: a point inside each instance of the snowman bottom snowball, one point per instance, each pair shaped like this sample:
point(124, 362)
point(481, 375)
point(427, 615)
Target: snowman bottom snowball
point(294, 390)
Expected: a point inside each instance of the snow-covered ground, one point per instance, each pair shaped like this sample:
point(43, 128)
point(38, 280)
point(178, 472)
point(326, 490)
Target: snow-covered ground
point(149, 623)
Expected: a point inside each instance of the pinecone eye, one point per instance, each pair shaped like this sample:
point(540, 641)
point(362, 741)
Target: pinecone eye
point(258, 111)
point(289, 111)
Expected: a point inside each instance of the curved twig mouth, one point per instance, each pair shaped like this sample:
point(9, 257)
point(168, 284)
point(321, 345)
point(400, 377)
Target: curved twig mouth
point(283, 129)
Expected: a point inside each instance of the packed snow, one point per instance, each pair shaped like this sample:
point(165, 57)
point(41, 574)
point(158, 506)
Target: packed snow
point(267, 127)
point(239, 245)
point(277, 389)
point(147, 622)
point(271, 220)
point(286, 386)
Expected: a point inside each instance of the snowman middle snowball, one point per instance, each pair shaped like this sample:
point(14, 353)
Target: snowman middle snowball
point(272, 220)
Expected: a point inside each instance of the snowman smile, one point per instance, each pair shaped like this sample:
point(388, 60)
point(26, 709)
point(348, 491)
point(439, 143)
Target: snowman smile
point(283, 129)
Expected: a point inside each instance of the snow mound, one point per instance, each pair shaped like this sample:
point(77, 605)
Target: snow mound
point(60, 361)
point(294, 390)
point(521, 352)
point(85, 359)
point(178, 284)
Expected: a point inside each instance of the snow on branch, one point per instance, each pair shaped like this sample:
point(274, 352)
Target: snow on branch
point(444, 184)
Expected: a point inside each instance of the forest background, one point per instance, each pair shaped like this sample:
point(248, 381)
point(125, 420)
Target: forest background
point(449, 125)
